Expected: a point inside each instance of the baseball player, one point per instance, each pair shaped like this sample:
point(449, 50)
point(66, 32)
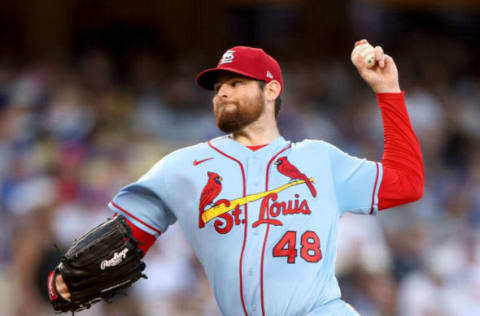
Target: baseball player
point(261, 212)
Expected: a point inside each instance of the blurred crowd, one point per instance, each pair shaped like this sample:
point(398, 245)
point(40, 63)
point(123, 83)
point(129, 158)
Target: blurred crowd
point(72, 134)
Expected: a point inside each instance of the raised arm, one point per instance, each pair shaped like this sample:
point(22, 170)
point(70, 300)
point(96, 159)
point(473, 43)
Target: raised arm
point(403, 172)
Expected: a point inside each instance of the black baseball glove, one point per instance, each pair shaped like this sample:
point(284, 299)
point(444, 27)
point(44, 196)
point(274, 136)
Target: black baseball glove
point(97, 266)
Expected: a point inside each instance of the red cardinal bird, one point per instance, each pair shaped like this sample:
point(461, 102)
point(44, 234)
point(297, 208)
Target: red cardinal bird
point(209, 193)
point(289, 170)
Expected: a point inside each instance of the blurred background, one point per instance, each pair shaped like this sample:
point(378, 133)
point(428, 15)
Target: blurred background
point(93, 93)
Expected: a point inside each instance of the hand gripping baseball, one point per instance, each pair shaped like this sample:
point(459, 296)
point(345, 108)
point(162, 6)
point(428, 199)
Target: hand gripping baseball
point(383, 76)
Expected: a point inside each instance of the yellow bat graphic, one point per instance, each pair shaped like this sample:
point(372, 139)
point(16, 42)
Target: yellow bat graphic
point(218, 210)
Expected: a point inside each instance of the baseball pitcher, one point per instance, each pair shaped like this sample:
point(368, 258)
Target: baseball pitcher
point(260, 212)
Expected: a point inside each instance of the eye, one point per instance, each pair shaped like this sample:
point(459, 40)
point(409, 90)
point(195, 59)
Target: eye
point(235, 83)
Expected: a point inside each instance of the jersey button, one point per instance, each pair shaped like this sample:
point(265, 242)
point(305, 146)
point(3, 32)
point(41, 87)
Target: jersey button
point(254, 307)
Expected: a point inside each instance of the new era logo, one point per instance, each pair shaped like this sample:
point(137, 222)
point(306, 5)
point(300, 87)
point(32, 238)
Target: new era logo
point(227, 57)
point(269, 74)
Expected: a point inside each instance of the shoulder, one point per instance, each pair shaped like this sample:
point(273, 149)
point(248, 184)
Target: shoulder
point(312, 145)
point(187, 154)
point(196, 152)
point(179, 159)
point(319, 149)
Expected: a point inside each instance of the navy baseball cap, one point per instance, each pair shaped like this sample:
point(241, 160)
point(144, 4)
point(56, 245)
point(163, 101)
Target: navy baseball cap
point(246, 61)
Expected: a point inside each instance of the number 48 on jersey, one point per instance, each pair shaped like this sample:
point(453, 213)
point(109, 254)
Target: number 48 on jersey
point(309, 247)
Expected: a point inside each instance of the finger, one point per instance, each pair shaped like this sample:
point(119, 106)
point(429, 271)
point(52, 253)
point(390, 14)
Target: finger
point(388, 59)
point(379, 56)
point(360, 42)
point(62, 287)
point(361, 65)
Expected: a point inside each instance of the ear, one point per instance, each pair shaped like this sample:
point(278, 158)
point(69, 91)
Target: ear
point(272, 90)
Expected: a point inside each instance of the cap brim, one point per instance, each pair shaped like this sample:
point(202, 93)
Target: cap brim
point(207, 78)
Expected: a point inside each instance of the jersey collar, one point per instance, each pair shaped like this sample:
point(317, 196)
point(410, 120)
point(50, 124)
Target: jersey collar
point(235, 149)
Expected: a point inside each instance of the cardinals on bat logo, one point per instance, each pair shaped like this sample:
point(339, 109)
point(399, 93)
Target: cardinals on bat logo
point(270, 208)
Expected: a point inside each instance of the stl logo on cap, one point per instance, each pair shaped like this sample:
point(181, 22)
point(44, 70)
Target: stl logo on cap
point(227, 57)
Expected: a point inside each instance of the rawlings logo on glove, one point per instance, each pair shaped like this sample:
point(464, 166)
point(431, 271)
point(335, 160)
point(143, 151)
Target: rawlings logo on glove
point(117, 258)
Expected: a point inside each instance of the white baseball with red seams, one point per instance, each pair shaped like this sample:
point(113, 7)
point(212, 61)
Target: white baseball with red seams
point(263, 223)
point(367, 52)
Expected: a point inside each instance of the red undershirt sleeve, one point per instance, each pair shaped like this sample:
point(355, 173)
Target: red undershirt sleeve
point(145, 240)
point(403, 172)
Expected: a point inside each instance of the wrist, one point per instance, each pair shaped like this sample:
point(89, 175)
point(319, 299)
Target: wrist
point(387, 89)
point(388, 98)
point(390, 95)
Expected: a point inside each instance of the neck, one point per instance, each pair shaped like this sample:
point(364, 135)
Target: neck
point(262, 131)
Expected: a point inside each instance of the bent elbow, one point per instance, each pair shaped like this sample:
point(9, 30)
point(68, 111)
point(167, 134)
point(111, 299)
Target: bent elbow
point(417, 189)
point(398, 188)
point(418, 193)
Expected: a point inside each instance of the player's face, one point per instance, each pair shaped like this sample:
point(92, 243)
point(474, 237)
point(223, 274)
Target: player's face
point(238, 102)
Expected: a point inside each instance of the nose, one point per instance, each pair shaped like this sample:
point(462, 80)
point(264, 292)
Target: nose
point(223, 91)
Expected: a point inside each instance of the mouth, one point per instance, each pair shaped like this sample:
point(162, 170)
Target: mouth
point(227, 105)
point(225, 102)
point(225, 109)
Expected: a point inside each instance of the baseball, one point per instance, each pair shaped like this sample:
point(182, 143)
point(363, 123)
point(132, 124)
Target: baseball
point(367, 52)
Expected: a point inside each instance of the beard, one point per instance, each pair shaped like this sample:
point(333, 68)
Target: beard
point(234, 115)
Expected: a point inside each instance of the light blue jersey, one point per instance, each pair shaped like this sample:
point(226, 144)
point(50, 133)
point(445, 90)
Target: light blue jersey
point(262, 223)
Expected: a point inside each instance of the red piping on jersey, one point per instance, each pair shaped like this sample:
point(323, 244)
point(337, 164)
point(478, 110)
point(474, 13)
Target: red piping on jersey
point(374, 190)
point(268, 228)
point(246, 221)
point(135, 218)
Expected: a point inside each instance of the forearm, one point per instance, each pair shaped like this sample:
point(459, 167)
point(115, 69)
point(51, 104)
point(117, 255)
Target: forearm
point(403, 172)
